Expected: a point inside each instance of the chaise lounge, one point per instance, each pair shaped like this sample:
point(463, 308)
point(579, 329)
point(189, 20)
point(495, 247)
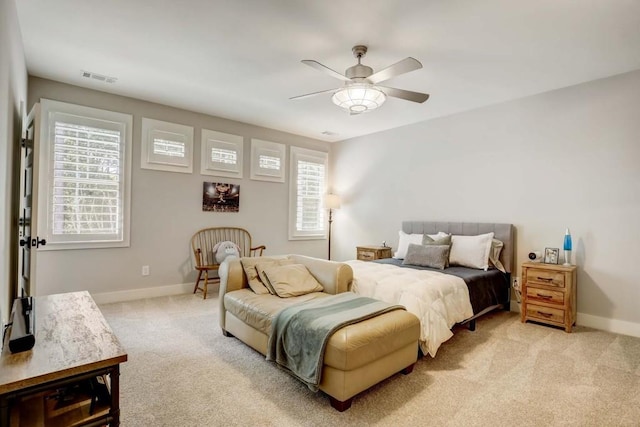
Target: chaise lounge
point(356, 357)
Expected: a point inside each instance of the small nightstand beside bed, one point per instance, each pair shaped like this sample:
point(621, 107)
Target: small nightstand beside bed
point(441, 298)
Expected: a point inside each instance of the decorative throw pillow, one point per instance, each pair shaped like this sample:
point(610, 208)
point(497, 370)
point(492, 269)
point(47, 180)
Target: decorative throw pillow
point(494, 255)
point(249, 266)
point(404, 241)
point(438, 240)
point(292, 280)
point(434, 256)
point(263, 265)
point(471, 251)
point(438, 235)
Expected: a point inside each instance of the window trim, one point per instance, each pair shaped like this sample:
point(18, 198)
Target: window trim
point(45, 180)
point(314, 156)
point(260, 147)
point(213, 139)
point(150, 160)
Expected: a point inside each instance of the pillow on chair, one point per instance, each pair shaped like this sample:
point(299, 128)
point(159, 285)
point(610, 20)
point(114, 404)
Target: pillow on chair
point(292, 280)
point(266, 263)
point(249, 266)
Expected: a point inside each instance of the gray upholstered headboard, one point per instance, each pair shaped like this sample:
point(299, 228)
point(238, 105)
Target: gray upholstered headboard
point(503, 232)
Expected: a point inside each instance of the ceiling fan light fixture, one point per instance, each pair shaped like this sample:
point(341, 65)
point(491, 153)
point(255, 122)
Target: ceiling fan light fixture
point(359, 98)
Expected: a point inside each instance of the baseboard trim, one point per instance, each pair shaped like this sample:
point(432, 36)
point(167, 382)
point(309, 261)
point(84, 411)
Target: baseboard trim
point(611, 325)
point(602, 323)
point(142, 293)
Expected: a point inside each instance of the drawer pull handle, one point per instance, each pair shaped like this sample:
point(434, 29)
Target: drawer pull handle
point(545, 314)
point(545, 279)
point(544, 296)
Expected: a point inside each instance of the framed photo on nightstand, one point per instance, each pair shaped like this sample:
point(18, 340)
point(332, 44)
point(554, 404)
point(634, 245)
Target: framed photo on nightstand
point(551, 255)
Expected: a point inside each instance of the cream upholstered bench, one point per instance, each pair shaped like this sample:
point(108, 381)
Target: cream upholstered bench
point(356, 357)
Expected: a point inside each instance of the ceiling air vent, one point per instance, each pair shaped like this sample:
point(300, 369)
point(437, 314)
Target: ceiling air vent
point(98, 77)
point(329, 133)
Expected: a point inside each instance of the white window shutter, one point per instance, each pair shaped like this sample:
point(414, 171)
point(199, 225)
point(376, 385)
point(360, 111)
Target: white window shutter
point(84, 187)
point(308, 187)
point(87, 178)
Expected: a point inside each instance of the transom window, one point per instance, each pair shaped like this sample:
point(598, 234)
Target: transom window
point(165, 147)
point(269, 162)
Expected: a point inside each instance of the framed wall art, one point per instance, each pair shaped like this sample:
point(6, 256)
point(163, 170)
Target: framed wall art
point(220, 197)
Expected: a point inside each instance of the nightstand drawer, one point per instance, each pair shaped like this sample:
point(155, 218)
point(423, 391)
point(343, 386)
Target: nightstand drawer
point(545, 277)
point(545, 313)
point(366, 255)
point(370, 253)
point(545, 295)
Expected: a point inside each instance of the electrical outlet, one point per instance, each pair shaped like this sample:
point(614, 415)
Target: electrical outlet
point(517, 289)
point(145, 270)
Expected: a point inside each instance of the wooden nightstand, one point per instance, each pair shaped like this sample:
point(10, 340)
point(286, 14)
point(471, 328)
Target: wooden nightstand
point(549, 294)
point(369, 253)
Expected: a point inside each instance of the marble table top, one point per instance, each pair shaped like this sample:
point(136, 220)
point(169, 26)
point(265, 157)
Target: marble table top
point(72, 337)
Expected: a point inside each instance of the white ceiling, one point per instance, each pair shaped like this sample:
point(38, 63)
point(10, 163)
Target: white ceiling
point(241, 59)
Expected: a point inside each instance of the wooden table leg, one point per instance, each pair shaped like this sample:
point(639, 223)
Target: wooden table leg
point(4, 411)
point(115, 395)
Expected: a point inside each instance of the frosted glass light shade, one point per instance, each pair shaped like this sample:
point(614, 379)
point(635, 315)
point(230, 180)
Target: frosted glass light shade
point(358, 98)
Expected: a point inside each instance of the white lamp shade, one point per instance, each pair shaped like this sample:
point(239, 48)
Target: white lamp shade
point(332, 201)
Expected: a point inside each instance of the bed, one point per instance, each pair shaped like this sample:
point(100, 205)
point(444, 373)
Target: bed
point(441, 298)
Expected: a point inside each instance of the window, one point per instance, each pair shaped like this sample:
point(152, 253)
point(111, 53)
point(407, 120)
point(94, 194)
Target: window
point(166, 146)
point(267, 160)
point(84, 186)
point(221, 154)
point(307, 188)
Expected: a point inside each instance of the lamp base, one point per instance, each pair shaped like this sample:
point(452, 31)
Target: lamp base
point(567, 258)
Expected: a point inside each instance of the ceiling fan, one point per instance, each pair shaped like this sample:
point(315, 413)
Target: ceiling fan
point(361, 91)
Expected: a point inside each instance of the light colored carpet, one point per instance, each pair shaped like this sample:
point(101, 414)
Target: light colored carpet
point(183, 372)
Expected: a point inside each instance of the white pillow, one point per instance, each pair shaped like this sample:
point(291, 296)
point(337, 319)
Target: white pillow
point(471, 251)
point(403, 243)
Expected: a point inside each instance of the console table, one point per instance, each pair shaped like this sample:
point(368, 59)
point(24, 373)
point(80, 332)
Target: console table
point(74, 343)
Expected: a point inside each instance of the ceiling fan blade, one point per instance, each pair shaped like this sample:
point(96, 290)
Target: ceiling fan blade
point(405, 94)
point(312, 94)
point(404, 66)
point(318, 66)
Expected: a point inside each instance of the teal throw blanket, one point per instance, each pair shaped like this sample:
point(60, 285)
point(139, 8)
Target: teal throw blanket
point(299, 334)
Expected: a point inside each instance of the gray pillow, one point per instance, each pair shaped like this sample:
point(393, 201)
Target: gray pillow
point(446, 240)
point(426, 241)
point(434, 256)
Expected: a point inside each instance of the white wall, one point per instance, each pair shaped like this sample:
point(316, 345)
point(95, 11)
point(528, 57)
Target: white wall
point(167, 207)
point(13, 94)
point(566, 158)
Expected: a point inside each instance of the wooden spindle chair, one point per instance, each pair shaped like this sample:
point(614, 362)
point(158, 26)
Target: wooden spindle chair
point(202, 244)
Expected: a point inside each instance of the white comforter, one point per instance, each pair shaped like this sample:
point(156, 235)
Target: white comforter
point(438, 300)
